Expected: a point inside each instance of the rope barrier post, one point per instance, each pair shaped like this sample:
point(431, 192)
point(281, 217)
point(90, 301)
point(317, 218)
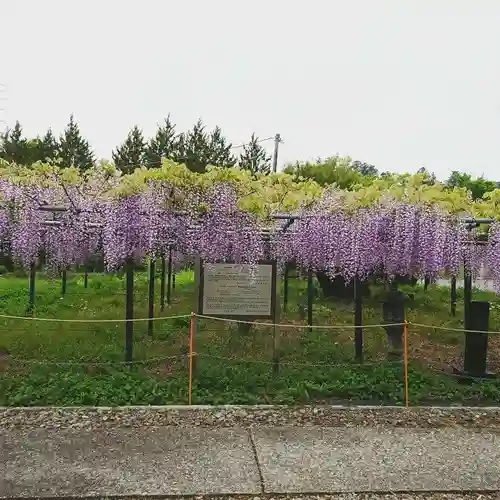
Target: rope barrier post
point(129, 311)
point(407, 397)
point(32, 280)
point(64, 282)
point(192, 328)
point(151, 296)
point(169, 277)
point(453, 296)
point(310, 299)
point(162, 283)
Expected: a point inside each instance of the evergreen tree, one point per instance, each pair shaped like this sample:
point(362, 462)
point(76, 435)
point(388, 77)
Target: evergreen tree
point(74, 150)
point(130, 154)
point(365, 169)
point(255, 158)
point(13, 147)
point(162, 145)
point(194, 148)
point(48, 147)
point(220, 150)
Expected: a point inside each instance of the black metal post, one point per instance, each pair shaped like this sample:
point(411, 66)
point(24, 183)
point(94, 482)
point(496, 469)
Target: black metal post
point(285, 286)
point(476, 343)
point(151, 296)
point(169, 278)
point(64, 281)
point(129, 311)
point(453, 293)
point(467, 297)
point(358, 321)
point(162, 283)
point(31, 299)
point(86, 276)
point(310, 298)
point(426, 283)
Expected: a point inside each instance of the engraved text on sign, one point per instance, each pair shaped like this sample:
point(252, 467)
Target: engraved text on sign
point(237, 289)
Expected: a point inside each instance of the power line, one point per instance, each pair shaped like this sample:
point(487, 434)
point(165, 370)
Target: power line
point(257, 142)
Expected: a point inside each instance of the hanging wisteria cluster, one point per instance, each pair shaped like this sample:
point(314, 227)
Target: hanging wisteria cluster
point(68, 226)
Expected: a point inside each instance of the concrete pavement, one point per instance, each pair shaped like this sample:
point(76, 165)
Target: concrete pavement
point(175, 460)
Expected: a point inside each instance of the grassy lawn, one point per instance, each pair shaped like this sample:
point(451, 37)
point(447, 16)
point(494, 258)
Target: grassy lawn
point(232, 366)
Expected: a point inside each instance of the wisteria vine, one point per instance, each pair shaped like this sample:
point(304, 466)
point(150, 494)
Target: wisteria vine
point(391, 237)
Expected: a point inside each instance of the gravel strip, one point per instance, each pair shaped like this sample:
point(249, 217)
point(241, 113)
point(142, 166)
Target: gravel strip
point(250, 416)
point(370, 496)
point(358, 496)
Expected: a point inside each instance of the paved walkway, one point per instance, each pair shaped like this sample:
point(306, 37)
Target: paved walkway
point(173, 460)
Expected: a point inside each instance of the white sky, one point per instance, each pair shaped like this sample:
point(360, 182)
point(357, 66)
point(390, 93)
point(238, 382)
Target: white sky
point(397, 83)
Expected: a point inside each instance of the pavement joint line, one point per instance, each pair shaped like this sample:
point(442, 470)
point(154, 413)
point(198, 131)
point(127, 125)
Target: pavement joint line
point(257, 463)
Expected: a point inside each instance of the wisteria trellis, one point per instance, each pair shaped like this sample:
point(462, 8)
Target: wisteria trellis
point(394, 237)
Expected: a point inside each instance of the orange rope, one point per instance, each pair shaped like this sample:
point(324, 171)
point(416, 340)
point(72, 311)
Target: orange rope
point(191, 341)
point(406, 363)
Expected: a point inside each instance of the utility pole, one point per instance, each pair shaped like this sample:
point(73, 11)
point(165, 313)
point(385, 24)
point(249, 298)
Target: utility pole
point(277, 140)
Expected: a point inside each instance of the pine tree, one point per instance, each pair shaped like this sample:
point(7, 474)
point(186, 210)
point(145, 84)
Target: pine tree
point(13, 147)
point(194, 148)
point(130, 154)
point(48, 148)
point(74, 150)
point(162, 145)
point(220, 150)
point(255, 158)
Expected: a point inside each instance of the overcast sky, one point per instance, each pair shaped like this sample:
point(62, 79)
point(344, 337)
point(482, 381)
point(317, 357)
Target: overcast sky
point(397, 83)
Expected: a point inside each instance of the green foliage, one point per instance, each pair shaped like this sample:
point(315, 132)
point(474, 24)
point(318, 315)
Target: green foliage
point(334, 170)
point(477, 187)
point(220, 150)
point(318, 367)
point(14, 146)
point(198, 149)
point(131, 154)
point(74, 150)
point(254, 158)
point(48, 148)
point(365, 169)
point(163, 145)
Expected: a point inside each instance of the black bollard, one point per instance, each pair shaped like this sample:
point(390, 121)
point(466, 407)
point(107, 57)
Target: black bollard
point(476, 342)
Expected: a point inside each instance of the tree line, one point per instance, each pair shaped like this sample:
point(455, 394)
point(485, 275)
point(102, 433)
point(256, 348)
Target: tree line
point(197, 148)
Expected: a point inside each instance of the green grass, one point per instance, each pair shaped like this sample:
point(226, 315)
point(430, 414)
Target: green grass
point(231, 366)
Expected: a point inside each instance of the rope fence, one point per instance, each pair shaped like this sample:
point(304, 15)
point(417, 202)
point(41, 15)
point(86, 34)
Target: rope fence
point(190, 354)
